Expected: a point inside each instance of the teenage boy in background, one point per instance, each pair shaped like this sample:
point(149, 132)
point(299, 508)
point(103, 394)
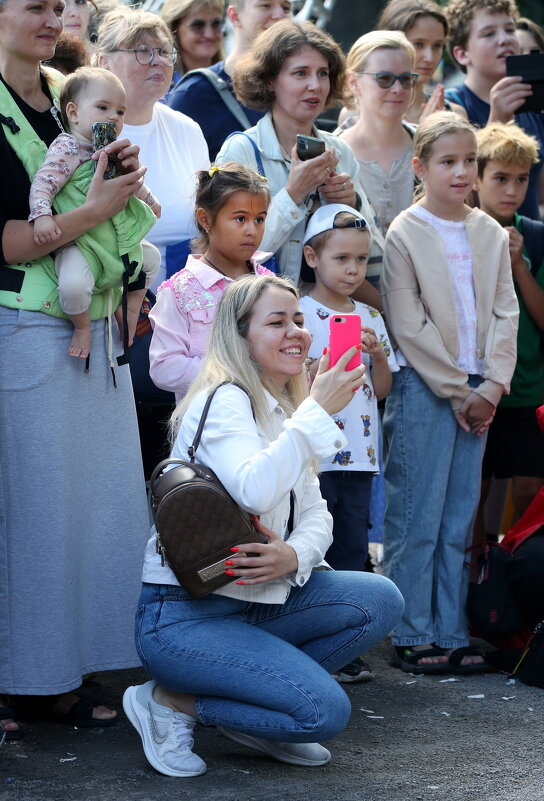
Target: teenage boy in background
point(515, 445)
point(213, 104)
point(482, 33)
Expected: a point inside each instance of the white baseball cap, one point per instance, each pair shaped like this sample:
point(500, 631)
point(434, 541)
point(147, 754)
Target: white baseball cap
point(323, 220)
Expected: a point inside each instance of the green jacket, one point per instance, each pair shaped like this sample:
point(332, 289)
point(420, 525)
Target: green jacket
point(107, 247)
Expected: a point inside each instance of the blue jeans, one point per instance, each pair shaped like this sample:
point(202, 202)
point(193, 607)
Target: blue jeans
point(347, 493)
point(432, 482)
point(264, 669)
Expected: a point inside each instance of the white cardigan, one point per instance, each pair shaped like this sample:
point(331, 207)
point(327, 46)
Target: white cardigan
point(286, 221)
point(259, 473)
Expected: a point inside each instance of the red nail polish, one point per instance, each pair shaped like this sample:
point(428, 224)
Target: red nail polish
point(239, 582)
point(324, 351)
point(359, 346)
point(229, 562)
point(234, 549)
point(229, 572)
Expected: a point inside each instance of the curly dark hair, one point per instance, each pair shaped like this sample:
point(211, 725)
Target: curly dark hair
point(254, 71)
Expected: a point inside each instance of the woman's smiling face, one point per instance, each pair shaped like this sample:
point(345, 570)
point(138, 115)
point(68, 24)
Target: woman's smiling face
point(278, 341)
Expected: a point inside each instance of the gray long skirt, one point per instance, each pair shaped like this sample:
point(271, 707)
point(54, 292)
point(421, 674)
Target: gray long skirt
point(73, 512)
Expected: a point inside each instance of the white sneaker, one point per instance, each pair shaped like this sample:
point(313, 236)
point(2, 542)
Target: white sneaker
point(167, 736)
point(307, 754)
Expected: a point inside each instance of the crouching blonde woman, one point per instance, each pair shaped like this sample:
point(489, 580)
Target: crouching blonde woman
point(255, 658)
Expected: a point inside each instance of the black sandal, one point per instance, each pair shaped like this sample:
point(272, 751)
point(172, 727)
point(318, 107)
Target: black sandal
point(80, 713)
point(8, 713)
point(407, 659)
point(456, 657)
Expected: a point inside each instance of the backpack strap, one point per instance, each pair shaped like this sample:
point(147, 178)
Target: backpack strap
point(222, 89)
point(533, 239)
point(256, 150)
point(191, 450)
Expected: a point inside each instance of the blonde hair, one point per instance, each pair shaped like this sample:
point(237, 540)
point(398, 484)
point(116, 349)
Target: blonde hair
point(124, 27)
point(174, 12)
point(228, 355)
point(431, 128)
point(365, 46)
point(507, 143)
point(79, 82)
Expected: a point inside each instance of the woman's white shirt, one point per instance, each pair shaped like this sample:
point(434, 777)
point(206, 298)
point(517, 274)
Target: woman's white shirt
point(259, 469)
point(173, 148)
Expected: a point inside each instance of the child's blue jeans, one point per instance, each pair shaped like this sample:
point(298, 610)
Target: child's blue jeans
point(432, 484)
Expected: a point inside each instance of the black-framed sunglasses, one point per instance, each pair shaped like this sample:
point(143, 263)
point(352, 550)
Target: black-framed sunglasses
point(385, 80)
point(144, 54)
point(200, 25)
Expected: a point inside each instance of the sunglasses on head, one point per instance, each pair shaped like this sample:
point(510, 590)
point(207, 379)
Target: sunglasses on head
point(200, 25)
point(385, 80)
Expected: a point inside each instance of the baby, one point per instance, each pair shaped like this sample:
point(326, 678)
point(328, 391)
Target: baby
point(90, 94)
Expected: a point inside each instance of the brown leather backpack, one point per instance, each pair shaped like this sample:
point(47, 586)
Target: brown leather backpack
point(197, 521)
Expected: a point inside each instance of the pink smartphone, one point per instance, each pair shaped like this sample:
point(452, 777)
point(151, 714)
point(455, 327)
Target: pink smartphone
point(344, 333)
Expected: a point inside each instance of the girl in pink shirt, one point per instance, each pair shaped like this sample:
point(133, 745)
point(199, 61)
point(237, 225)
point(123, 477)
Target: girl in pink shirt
point(231, 208)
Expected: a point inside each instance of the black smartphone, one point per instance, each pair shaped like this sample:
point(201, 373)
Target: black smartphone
point(531, 68)
point(104, 133)
point(308, 147)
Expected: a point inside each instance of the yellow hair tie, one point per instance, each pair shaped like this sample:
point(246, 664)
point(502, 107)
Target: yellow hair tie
point(212, 172)
point(263, 178)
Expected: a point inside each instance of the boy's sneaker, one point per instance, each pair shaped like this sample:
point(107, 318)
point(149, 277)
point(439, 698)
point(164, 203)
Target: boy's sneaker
point(357, 670)
point(167, 736)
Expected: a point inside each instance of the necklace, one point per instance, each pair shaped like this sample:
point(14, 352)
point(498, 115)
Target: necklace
point(248, 267)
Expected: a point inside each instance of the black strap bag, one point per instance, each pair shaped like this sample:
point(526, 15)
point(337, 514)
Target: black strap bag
point(197, 521)
point(491, 607)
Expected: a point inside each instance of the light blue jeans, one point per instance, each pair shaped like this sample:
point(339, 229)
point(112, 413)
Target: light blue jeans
point(264, 669)
point(432, 484)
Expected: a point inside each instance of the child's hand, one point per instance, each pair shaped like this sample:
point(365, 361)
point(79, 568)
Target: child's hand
point(506, 96)
point(369, 341)
point(478, 413)
point(46, 230)
point(515, 246)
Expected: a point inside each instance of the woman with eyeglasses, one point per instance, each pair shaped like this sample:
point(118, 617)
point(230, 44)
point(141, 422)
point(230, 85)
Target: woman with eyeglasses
point(137, 46)
point(380, 82)
point(197, 28)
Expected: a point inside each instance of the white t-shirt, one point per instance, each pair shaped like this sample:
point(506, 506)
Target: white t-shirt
point(173, 148)
point(359, 420)
point(457, 249)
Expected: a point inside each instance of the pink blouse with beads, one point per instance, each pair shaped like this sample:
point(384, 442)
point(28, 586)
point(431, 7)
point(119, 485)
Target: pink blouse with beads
point(181, 319)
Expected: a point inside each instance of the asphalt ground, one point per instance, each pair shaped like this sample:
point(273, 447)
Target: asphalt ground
point(410, 738)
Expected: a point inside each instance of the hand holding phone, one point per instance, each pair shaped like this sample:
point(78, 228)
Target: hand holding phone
point(308, 147)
